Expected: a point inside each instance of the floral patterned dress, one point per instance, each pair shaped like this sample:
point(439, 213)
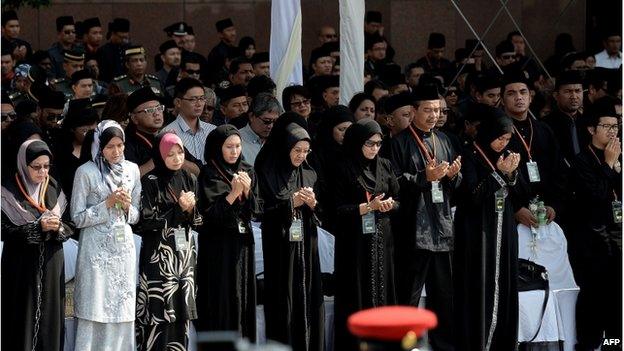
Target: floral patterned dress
point(166, 293)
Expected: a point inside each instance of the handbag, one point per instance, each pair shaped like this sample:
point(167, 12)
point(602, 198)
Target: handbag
point(532, 276)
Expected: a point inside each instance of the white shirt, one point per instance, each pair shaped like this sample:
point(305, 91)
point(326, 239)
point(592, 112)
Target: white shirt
point(605, 61)
point(193, 142)
point(251, 144)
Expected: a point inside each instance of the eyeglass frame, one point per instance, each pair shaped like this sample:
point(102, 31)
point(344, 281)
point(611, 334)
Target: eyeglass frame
point(154, 109)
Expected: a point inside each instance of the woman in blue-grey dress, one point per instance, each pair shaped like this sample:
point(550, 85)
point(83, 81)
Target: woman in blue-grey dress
point(105, 200)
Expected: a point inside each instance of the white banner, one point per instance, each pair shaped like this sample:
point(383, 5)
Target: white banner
point(285, 49)
point(351, 49)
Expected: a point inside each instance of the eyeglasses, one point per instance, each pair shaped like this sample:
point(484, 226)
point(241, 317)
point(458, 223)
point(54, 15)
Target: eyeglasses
point(193, 71)
point(299, 151)
point(610, 127)
point(451, 92)
point(300, 103)
point(8, 115)
point(331, 36)
point(194, 99)
point(371, 143)
point(508, 56)
point(267, 122)
point(152, 110)
point(38, 168)
point(52, 117)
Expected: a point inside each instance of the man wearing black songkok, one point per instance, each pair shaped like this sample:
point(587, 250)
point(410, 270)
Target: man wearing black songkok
point(428, 171)
point(218, 54)
point(434, 61)
point(110, 56)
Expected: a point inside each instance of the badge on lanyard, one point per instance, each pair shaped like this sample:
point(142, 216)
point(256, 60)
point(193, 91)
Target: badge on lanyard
point(616, 206)
point(499, 179)
point(534, 175)
point(119, 231)
point(296, 230)
point(368, 223)
point(437, 195)
point(499, 200)
point(242, 229)
point(181, 243)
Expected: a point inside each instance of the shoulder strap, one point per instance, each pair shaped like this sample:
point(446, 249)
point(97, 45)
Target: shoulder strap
point(546, 294)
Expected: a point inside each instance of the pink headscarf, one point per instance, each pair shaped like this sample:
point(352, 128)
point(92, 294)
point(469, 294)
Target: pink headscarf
point(167, 142)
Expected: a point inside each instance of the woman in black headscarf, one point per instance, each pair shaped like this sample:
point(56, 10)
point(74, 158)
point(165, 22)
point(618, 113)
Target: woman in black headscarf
point(486, 239)
point(293, 301)
point(227, 288)
point(166, 294)
point(33, 232)
point(327, 157)
point(365, 195)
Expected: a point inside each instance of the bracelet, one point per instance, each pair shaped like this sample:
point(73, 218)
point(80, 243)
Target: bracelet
point(368, 207)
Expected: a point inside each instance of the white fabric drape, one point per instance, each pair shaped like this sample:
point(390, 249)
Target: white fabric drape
point(351, 49)
point(285, 47)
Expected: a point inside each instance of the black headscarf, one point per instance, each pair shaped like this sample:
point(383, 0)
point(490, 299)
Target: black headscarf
point(277, 176)
point(359, 166)
point(494, 124)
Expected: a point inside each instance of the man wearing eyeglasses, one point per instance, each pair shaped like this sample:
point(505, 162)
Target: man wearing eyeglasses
point(146, 119)
point(66, 40)
point(190, 100)
point(7, 110)
point(505, 54)
point(51, 105)
point(327, 34)
point(265, 109)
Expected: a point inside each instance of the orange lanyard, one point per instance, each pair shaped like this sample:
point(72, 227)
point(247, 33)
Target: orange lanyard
point(429, 156)
point(41, 207)
point(147, 142)
point(483, 155)
point(600, 164)
point(240, 198)
point(526, 147)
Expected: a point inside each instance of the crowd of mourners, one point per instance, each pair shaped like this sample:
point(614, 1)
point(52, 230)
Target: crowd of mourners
point(422, 179)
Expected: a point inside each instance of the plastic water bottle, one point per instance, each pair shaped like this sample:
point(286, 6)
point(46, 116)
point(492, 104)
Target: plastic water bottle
point(542, 217)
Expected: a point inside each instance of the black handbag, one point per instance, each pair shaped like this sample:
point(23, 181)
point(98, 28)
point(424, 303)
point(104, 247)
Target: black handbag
point(532, 276)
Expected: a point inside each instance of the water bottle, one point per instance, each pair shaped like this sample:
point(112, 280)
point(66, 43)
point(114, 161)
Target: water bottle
point(542, 217)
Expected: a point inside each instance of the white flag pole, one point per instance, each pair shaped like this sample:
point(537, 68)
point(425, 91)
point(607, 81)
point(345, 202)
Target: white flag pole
point(285, 47)
point(351, 49)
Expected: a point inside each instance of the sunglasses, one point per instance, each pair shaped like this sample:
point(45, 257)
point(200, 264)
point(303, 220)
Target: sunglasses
point(53, 117)
point(451, 92)
point(193, 71)
point(331, 36)
point(8, 116)
point(508, 57)
point(298, 104)
point(40, 167)
point(370, 143)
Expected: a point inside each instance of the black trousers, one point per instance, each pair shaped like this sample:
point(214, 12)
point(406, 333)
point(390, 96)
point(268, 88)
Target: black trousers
point(433, 269)
point(599, 304)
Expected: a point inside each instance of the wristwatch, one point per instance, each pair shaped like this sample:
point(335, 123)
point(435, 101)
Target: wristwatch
point(368, 207)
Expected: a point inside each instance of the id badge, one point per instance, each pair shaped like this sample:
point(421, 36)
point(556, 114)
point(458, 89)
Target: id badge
point(241, 228)
point(119, 231)
point(616, 206)
point(296, 231)
point(180, 239)
point(499, 179)
point(534, 175)
point(499, 201)
point(437, 195)
point(368, 223)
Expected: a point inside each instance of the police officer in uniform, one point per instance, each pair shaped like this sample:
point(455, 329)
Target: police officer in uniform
point(111, 55)
point(136, 65)
point(72, 62)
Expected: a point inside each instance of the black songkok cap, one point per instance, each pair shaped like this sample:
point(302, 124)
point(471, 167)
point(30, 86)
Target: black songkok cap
point(80, 113)
point(231, 92)
point(425, 92)
point(514, 75)
point(568, 77)
point(52, 99)
point(436, 41)
point(603, 107)
point(169, 44)
point(139, 97)
point(121, 25)
point(224, 24)
point(260, 57)
point(394, 102)
point(318, 53)
point(373, 16)
point(90, 23)
point(504, 47)
point(9, 15)
point(79, 75)
point(63, 21)
point(487, 82)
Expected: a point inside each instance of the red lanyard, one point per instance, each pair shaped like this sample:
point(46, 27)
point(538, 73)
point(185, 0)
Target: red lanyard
point(147, 142)
point(368, 196)
point(526, 147)
point(240, 198)
point(429, 156)
point(600, 163)
point(483, 155)
point(41, 207)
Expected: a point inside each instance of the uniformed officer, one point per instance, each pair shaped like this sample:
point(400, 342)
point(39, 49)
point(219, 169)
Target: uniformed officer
point(111, 55)
point(66, 29)
point(72, 62)
point(136, 65)
point(391, 328)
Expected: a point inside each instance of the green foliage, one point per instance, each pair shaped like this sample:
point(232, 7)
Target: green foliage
point(16, 4)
